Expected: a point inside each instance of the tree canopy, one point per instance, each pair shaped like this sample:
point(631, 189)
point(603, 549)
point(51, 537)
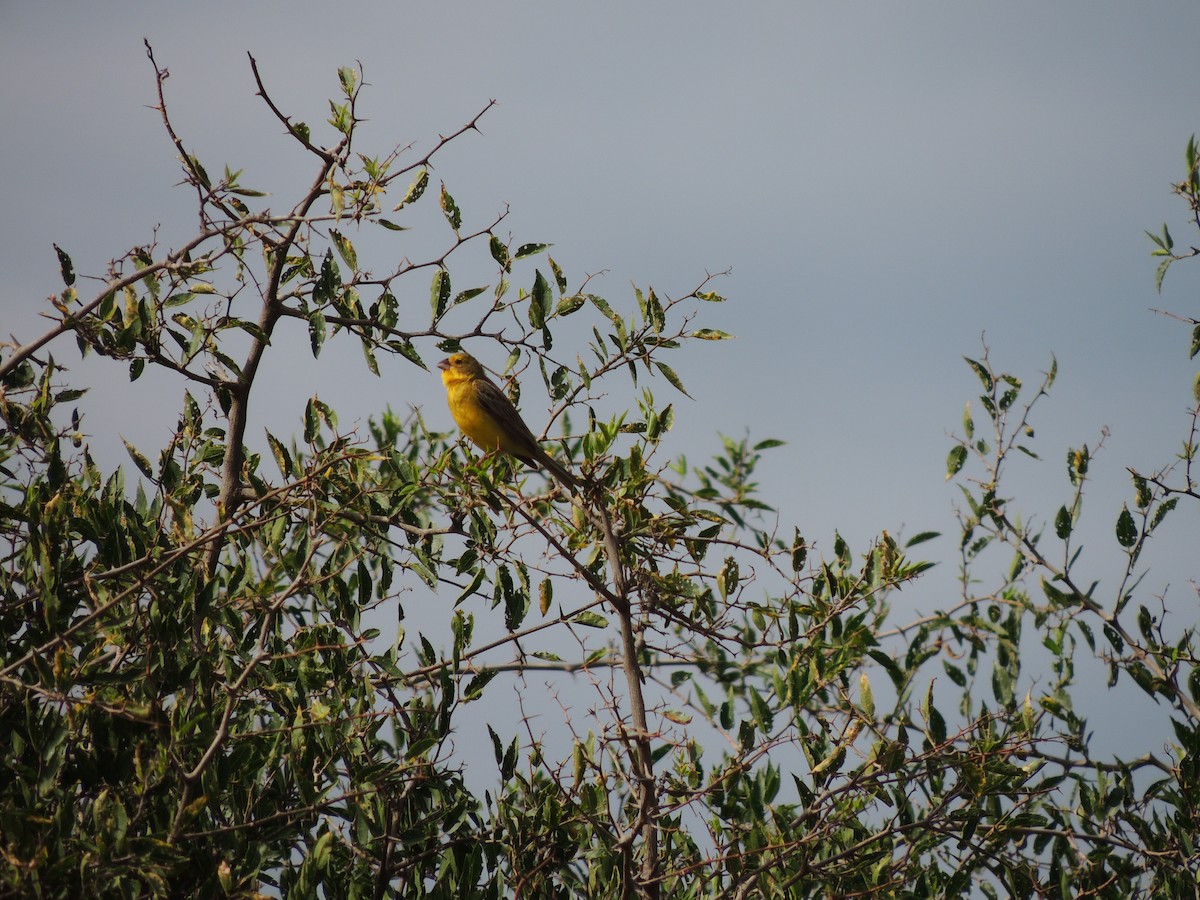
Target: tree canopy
point(211, 686)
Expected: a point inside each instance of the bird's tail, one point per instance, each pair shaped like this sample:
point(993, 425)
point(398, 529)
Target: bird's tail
point(558, 470)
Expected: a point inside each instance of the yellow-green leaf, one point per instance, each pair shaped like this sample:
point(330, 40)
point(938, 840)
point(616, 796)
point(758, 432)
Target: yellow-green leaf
point(670, 375)
point(450, 209)
point(139, 460)
point(345, 249)
point(955, 461)
point(439, 293)
point(1126, 529)
point(415, 189)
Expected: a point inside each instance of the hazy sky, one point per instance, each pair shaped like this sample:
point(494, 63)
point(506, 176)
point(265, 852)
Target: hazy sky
point(886, 181)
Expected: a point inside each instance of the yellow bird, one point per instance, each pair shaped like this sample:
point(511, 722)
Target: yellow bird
point(489, 419)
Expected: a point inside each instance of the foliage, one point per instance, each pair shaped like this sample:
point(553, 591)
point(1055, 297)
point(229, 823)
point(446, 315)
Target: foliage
point(203, 691)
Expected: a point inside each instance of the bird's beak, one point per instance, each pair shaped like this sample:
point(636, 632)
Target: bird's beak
point(444, 365)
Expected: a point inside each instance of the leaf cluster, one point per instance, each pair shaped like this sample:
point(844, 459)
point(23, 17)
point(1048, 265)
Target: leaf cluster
point(250, 665)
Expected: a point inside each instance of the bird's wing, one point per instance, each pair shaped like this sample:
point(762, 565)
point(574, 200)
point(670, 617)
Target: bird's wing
point(500, 408)
point(525, 446)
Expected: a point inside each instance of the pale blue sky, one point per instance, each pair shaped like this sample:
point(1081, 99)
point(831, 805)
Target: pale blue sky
point(887, 182)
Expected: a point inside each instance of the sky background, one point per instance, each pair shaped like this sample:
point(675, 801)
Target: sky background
point(887, 183)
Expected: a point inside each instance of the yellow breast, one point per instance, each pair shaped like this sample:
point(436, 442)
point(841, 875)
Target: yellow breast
point(474, 421)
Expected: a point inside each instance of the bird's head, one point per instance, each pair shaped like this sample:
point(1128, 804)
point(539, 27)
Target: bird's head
point(459, 366)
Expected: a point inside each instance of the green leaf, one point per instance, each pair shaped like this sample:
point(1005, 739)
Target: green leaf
point(937, 724)
point(1141, 491)
point(922, 538)
point(516, 606)
point(1161, 512)
point(658, 319)
point(283, 459)
point(386, 310)
point(408, 351)
point(559, 278)
point(349, 78)
point(316, 331)
point(415, 189)
point(1077, 463)
point(866, 699)
point(325, 288)
point(450, 209)
point(890, 666)
point(529, 250)
point(1160, 273)
point(747, 735)
point(369, 356)
point(799, 551)
point(727, 577)
point(1127, 534)
point(499, 252)
point(497, 748)
point(955, 673)
point(139, 460)
point(337, 196)
point(343, 121)
point(601, 304)
point(197, 170)
point(439, 293)
point(559, 384)
point(568, 305)
point(509, 765)
point(471, 588)
point(469, 294)
point(1010, 395)
point(1114, 638)
point(670, 375)
point(711, 334)
point(956, 459)
point(764, 719)
point(345, 249)
point(542, 300)
point(1055, 596)
point(985, 377)
point(65, 264)
point(1146, 623)
point(590, 619)
point(1062, 523)
point(181, 299)
point(474, 687)
point(1088, 636)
